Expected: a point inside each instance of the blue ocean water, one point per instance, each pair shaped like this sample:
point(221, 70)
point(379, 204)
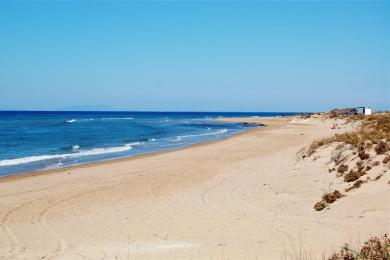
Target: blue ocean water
point(32, 141)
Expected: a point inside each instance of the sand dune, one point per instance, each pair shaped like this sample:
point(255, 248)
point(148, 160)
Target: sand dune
point(246, 197)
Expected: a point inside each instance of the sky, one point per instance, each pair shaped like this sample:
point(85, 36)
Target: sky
point(194, 55)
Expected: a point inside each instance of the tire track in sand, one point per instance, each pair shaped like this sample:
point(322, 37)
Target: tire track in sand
point(62, 246)
point(60, 242)
point(16, 245)
point(204, 194)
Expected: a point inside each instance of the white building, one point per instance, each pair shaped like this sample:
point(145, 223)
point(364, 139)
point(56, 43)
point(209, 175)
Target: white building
point(367, 111)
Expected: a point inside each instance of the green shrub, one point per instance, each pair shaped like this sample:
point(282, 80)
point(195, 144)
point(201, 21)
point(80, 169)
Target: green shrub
point(320, 206)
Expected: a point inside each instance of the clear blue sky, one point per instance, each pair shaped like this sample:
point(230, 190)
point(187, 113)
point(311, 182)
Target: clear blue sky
point(208, 56)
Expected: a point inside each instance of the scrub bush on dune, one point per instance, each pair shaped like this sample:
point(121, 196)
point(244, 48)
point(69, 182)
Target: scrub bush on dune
point(363, 155)
point(331, 197)
point(375, 129)
point(327, 198)
point(387, 159)
point(381, 147)
point(355, 185)
point(353, 176)
point(320, 205)
point(373, 249)
point(342, 168)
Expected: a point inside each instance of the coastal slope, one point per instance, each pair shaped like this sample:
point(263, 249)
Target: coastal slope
point(246, 197)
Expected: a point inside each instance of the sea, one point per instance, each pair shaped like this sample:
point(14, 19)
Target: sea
point(42, 140)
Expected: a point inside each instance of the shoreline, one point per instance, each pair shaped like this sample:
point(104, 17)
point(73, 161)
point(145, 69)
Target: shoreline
point(248, 195)
point(134, 157)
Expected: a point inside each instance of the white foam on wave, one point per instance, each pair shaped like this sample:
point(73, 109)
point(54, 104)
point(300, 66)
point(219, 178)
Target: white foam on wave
point(136, 143)
point(218, 132)
point(95, 119)
point(75, 147)
point(94, 151)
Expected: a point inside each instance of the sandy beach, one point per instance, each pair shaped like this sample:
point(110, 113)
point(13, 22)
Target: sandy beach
point(245, 197)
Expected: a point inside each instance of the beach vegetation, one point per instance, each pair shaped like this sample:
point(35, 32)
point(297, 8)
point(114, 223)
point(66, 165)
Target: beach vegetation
point(360, 165)
point(353, 176)
point(327, 198)
point(363, 155)
point(355, 185)
point(376, 248)
point(381, 147)
point(320, 205)
point(386, 160)
point(331, 197)
point(316, 144)
point(342, 168)
point(356, 152)
point(374, 130)
point(378, 176)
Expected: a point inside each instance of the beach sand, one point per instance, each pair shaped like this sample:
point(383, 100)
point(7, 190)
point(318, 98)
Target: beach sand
point(245, 197)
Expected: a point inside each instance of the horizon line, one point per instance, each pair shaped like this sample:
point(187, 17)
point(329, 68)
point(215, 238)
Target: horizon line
point(156, 111)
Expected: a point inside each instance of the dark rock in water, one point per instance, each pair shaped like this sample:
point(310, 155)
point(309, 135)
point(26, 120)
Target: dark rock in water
point(251, 124)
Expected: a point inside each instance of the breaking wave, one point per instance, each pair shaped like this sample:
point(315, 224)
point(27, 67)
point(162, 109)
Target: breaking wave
point(221, 131)
point(97, 119)
point(94, 151)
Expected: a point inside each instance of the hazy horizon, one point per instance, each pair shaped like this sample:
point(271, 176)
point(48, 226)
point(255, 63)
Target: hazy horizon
point(151, 111)
point(194, 56)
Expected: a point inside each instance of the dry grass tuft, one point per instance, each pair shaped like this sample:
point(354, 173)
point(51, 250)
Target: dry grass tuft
point(355, 185)
point(328, 198)
point(387, 159)
point(363, 155)
point(317, 144)
point(378, 177)
point(342, 168)
point(360, 165)
point(353, 176)
point(331, 197)
point(381, 147)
